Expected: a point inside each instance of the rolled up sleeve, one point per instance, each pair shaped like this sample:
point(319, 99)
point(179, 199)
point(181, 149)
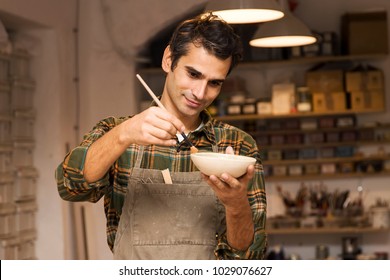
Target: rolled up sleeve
point(69, 175)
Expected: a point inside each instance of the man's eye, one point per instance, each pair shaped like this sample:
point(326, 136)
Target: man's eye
point(215, 83)
point(193, 74)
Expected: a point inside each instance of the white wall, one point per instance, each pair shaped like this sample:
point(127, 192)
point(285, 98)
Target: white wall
point(107, 87)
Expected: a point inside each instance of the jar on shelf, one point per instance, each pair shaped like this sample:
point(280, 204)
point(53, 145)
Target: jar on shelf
point(304, 99)
point(249, 107)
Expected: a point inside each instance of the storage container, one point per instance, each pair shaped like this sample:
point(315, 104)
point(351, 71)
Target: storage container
point(22, 95)
point(279, 170)
point(344, 151)
point(308, 153)
point(25, 216)
point(264, 107)
point(328, 168)
point(346, 167)
point(294, 139)
point(332, 137)
point(326, 122)
point(23, 125)
point(304, 99)
point(26, 248)
point(331, 101)
point(368, 100)
point(274, 155)
point(327, 152)
point(5, 158)
point(364, 32)
point(348, 121)
point(370, 166)
point(274, 124)
point(9, 248)
point(233, 109)
point(23, 154)
point(277, 139)
point(317, 137)
point(25, 184)
point(367, 135)
point(290, 154)
point(5, 129)
point(6, 188)
point(311, 169)
point(7, 220)
point(295, 169)
point(249, 107)
point(5, 100)
point(19, 67)
point(325, 81)
point(348, 136)
point(309, 124)
point(291, 124)
point(364, 80)
point(4, 69)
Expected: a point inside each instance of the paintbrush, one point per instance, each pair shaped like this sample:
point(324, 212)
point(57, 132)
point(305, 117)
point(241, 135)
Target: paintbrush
point(193, 149)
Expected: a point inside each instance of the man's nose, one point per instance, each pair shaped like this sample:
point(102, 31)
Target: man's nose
point(200, 90)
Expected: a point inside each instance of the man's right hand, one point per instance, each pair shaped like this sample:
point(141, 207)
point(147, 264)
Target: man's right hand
point(152, 126)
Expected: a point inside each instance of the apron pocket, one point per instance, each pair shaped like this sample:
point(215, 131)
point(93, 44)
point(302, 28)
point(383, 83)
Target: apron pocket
point(177, 215)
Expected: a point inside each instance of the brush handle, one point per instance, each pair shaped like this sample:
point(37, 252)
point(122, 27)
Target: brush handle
point(150, 92)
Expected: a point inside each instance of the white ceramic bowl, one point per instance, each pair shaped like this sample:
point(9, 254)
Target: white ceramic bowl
point(215, 164)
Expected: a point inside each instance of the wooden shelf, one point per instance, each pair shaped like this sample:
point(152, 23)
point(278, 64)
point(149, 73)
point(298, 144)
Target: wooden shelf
point(333, 230)
point(321, 145)
point(321, 177)
point(325, 160)
point(319, 129)
point(311, 60)
point(294, 115)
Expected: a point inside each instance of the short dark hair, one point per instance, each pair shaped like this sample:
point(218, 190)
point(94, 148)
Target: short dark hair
point(210, 32)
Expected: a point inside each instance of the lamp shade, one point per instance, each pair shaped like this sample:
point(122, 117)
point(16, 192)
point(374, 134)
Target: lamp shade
point(288, 31)
point(3, 34)
point(245, 11)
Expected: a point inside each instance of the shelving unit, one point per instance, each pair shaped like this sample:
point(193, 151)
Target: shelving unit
point(333, 230)
point(263, 133)
point(17, 173)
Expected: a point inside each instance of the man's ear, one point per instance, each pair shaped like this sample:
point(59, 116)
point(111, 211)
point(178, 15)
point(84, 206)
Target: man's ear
point(166, 60)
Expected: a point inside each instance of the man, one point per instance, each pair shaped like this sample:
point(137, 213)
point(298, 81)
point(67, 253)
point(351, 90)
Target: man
point(197, 216)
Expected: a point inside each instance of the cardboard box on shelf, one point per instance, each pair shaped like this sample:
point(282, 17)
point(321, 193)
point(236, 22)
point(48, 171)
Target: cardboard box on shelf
point(364, 33)
point(364, 100)
point(333, 101)
point(364, 80)
point(325, 81)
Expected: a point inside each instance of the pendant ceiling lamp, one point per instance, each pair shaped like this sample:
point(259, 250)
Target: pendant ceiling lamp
point(245, 11)
point(288, 31)
point(3, 33)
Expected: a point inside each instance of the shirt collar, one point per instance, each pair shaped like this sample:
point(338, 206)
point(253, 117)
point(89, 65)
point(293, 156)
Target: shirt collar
point(208, 128)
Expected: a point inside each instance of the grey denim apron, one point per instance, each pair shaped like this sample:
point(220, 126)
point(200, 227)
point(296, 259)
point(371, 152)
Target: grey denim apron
point(168, 221)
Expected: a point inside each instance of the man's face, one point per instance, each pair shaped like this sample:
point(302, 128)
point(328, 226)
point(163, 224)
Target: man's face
point(194, 83)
